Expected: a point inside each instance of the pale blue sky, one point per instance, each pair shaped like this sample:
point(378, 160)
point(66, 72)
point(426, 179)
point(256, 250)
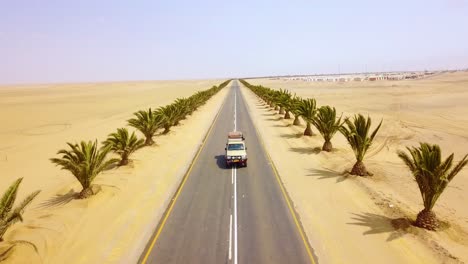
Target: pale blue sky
point(105, 40)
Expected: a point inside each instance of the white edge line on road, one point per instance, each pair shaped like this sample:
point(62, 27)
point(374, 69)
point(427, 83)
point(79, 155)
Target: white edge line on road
point(230, 237)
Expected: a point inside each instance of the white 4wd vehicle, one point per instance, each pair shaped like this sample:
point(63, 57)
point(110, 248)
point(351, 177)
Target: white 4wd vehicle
point(236, 151)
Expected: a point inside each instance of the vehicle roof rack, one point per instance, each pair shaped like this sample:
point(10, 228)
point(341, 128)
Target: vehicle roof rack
point(235, 135)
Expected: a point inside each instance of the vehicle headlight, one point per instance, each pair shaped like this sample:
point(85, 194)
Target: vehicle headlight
point(244, 156)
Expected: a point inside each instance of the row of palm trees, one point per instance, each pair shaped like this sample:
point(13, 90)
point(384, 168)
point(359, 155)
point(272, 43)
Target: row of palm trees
point(86, 160)
point(324, 119)
point(431, 173)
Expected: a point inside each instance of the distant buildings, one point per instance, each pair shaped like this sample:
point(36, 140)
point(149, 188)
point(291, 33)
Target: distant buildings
point(361, 77)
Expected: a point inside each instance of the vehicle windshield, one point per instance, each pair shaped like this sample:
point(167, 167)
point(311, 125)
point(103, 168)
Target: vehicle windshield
point(236, 147)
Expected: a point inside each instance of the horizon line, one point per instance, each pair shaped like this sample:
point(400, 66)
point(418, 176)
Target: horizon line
point(220, 78)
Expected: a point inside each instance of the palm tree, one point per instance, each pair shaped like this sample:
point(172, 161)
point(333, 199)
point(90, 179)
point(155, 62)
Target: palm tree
point(8, 215)
point(169, 116)
point(192, 104)
point(197, 99)
point(223, 84)
point(432, 176)
point(326, 123)
point(182, 109)
point(284, 101)
point(275, 96)
point(307, 109)
point(269, 98)
point(147, 122)
point(123, 144)
point(295, 103)
point(85, 162)
point(357, 134)
point(266, 94)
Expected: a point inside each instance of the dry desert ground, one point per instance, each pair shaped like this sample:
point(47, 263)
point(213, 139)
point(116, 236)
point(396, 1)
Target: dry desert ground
point(349, 219)
point(114, 225)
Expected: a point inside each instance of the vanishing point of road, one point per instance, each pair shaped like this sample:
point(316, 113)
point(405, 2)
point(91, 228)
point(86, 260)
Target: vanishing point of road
point(230, 215)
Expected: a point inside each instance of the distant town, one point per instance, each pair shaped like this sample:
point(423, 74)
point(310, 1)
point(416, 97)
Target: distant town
point(360, 77)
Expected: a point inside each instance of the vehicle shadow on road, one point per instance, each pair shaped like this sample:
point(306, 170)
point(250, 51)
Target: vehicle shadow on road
point(377, 224)
point(220, 161)
point(328, 174)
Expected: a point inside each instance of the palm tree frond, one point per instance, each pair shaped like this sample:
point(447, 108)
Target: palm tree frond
point(431, 173)
point(8, 198)
point(85, 161)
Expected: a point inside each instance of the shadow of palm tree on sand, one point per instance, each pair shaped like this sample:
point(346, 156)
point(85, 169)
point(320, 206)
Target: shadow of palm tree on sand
point(306, 150)
point(378, 224)
point(59, 199)
point(328, 174)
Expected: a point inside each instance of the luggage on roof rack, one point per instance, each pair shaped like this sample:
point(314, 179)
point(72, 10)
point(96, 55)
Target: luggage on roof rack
point(235, 135)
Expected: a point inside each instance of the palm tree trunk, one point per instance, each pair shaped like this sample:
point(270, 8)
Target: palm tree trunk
point(359, 169)
point(287, 115)
point(281, 111)
point(166, 129)
point(296, 122)
point(427, 219)
point(327, 146)
point(124, 160)
point(85, 193)
point(149, 140)
point(308, 130)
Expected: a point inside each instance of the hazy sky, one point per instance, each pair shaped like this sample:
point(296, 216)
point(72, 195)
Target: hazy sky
point(100, 40)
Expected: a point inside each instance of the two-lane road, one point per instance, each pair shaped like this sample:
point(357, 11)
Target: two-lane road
point(229, 215)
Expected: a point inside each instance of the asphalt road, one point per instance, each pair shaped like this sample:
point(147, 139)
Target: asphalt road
point(229, 215)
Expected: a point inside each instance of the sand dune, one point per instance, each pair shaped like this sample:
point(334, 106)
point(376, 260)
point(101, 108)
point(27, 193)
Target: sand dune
point(431, 110)
point(115, 224)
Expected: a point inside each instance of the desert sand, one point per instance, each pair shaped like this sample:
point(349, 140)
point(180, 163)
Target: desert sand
point(114, 225)
point(349, 219)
